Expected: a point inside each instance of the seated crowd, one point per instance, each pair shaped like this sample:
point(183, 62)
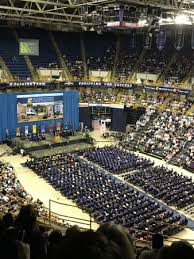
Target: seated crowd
point(75, 66)
point(128, 99)
point(179, 69)
point(51, 66)
point(106, 197)
point(13, 196)
point(119, 54)
point(105, 96)
point(116, 160)
point(102, 63)
point(176, 105)
point(153, 101)
point(168, 135)
point(24, 238)
point(126, 63)
point(97, 96)
point(164, 184)
point(154, 62)
point(186, 157)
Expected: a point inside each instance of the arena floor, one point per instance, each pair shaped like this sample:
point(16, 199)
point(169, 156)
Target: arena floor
point(40, 189)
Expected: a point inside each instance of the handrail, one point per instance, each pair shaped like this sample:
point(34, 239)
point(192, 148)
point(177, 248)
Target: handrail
point(70, 218)
point(92, 221)
point(167, 238)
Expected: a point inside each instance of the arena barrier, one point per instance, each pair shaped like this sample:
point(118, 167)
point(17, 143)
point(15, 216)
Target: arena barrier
point(63, 219)
point(68, 219)
point(180, 89)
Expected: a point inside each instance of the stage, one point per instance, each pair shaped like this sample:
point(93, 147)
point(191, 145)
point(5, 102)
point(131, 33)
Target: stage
point(51, 145)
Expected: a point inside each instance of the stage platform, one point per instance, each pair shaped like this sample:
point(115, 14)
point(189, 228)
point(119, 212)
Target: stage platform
point(52, 145)
point(67, 148)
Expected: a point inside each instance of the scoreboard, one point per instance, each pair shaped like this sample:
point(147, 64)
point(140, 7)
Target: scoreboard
point(99, 110)
point(29, 47)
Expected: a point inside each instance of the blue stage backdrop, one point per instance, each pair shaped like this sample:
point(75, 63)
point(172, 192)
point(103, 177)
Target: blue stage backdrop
point(67, 113)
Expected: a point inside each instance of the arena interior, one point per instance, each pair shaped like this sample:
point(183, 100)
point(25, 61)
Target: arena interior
point(97, 129)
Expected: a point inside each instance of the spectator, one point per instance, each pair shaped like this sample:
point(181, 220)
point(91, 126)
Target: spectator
point(95, 190)
point(179, 250)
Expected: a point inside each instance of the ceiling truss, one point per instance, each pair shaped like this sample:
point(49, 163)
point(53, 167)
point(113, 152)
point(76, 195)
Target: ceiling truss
point(66, 13)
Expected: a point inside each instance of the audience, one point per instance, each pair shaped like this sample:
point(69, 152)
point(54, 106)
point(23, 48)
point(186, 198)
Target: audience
point(118, 54)
point(102, 63)
point(126, 64)
point(97, 96)
point(186, 157)
point(154, 61)
point(179, 250)
point(75, 66)
point(105, 197)
point(13, 196)
point(116, 160)
point(25, 238)
point(164, 184)
point(176, 105)
point(168, 135)
point(179, 68)
point(51, 66)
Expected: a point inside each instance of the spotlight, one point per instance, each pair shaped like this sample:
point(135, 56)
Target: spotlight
point(183, 19)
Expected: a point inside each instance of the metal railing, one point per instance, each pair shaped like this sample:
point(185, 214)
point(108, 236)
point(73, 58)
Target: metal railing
point(82, 222)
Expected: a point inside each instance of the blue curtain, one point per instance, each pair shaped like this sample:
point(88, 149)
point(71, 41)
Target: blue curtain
point(8, 114)
point(71, 109)
point(117, 119)
point(85, 117)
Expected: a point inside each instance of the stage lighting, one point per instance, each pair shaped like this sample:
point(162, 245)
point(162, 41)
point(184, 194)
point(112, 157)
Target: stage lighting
point(165, 21)
point(143, 23)
point(183, 19)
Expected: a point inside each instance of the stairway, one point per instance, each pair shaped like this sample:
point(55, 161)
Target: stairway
point(139, 61)
point(188, 75)
point(163, 106)
point(83, 54)
point(33, 71)
point(134, 114)
point(190, 111)
point(139, 101)
point(29, 65)
point(161, 77)
point(6, 69)
point(117, 93)
point(118, 45)
point(65, 73)
point(9, 51)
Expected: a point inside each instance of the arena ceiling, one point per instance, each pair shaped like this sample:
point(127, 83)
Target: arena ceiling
point(64, 14)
